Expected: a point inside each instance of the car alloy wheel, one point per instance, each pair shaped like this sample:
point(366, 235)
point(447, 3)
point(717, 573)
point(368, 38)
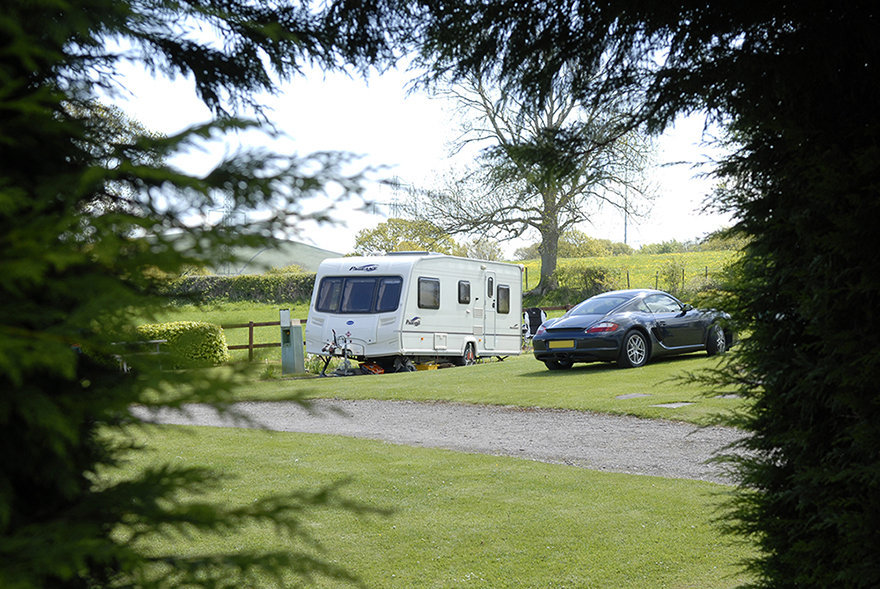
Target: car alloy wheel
point(717, 343)
point(635, 350)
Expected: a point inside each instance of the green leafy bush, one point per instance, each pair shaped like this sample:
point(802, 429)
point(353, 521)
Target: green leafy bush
point(672, 277)
point(260, 288)
point(190, 343)
point(289, 269)
point(581, 280)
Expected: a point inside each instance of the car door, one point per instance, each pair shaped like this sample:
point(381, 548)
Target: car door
point(674, 325)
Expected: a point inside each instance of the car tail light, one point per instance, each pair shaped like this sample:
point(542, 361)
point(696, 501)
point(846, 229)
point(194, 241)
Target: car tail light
point(603, 327)
point(541, 330)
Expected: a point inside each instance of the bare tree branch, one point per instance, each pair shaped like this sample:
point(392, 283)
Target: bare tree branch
point(547, 165)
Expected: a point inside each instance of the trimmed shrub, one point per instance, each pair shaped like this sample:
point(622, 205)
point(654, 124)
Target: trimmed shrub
point(190, 343)
point(260, 288)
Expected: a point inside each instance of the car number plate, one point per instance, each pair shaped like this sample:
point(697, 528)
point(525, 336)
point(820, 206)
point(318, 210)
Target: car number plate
point(562, 343)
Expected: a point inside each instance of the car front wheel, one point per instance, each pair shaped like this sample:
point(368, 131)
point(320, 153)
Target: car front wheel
point(635, 350)
point(717, 342)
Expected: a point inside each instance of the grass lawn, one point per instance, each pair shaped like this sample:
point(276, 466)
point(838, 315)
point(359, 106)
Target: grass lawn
point(461, 520)
point(525, 382)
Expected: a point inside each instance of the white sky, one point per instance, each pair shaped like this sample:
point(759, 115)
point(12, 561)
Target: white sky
point(409, 136)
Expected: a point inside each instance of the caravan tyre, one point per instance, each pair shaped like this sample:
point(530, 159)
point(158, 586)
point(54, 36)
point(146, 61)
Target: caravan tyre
point(403, 364)
point(468, 357)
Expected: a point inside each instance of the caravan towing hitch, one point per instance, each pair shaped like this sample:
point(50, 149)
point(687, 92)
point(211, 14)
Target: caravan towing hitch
point(346, 369)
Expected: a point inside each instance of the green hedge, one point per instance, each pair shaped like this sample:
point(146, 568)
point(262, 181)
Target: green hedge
point(580, 280)
point(190, 343)
point(260, 288)
point(680, 275)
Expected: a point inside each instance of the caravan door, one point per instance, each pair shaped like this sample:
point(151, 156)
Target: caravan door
point(490, 313)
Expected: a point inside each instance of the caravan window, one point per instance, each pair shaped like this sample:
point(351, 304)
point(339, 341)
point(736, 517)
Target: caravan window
point(329, 295)
point(503, 298)
point(389, 294)
point(359, 294)
point(429, 293)
point(464, 292)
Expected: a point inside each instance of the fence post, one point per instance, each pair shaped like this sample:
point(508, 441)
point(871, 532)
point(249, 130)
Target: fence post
point(657, 280)
point(251, 341)
point(627, 278)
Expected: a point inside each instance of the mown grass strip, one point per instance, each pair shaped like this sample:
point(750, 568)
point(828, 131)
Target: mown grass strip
point(460, 520)
point(523, 381)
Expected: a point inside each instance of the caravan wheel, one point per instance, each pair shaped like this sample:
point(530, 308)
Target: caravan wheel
point(403, 364)
point(470, 355)
point(468, 358)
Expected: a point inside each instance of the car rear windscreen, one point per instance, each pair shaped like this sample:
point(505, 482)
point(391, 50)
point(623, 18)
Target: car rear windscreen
point(598, 305)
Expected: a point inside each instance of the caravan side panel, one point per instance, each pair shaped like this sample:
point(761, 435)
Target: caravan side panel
point(455, 301)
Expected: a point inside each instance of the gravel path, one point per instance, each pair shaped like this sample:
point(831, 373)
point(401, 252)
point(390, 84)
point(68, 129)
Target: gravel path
point(577, 438)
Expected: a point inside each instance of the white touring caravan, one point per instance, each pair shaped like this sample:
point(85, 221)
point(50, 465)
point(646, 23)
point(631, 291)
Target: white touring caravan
point(410, 308)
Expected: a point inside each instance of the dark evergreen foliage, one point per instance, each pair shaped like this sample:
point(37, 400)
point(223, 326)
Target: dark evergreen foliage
point(78, 197)
point(797, 87)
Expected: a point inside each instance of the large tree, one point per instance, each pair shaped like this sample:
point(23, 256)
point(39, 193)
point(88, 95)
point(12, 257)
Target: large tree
point(796, 85)
point(85, 211)
point(401, 235)
point(547, 164)
point(577, 244)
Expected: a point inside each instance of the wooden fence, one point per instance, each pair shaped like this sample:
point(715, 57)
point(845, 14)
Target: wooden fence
point(251, 346)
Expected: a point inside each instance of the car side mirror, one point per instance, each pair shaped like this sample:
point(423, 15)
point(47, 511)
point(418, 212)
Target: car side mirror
point(687, 307)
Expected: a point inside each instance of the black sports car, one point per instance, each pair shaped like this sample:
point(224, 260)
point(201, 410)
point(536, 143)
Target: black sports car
point(629, 327)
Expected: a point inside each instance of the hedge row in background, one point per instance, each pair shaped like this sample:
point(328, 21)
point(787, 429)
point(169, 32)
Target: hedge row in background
point(190, 343)
point(581, 279)
point(646, 271)
point(260, 288)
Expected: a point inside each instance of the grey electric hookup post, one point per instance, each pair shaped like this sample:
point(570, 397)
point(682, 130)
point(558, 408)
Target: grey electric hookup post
point(292, 356)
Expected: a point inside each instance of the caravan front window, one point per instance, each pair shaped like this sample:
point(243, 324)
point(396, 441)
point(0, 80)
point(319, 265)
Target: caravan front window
point(389, 294)
point(358, 294)
point(329, 295)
